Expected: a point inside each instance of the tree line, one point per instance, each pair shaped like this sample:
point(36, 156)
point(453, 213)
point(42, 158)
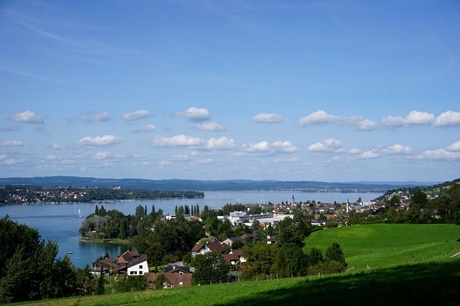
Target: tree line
point(29, 269)
point(67, 194)
point(444, 208)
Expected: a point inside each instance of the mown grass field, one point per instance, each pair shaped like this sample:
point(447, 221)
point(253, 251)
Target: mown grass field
point(405, 271)
point(387, 245)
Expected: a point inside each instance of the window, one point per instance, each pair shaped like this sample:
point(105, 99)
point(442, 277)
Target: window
point(140, 266)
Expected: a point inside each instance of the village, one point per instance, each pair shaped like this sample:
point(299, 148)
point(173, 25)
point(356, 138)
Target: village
point(132, 263)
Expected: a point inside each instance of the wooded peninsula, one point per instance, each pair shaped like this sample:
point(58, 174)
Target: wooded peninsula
point(18, 194)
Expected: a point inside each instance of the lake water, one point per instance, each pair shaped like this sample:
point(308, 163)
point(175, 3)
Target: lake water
point(61, 222)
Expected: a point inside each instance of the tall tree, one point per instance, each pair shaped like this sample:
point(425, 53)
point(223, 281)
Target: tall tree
point(210, 268)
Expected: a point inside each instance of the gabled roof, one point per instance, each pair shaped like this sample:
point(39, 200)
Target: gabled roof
point(238, 253)
point(230, 257)
point(132, 263)
point(128, 256)
point(106, 262)
point(197, 247)
point(176, 269)
point(173, 279)
point(216, 247)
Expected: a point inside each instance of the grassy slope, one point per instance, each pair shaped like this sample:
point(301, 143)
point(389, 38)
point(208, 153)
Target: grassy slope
point(387, 245)
point(433, 280)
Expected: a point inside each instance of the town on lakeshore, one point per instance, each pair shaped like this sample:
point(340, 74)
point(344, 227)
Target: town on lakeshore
point(202, 245)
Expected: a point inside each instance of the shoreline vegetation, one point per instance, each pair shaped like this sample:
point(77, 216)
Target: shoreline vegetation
point(100, 240)
point(16, 194)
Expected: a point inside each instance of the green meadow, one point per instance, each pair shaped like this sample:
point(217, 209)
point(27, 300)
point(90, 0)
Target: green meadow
point(408, 265)
point(386, 245)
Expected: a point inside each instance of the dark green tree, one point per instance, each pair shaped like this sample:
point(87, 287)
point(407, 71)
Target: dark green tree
point(210, 268)
point(335, 253)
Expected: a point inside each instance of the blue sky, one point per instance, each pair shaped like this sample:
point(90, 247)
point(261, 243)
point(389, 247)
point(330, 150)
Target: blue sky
point(340, 90)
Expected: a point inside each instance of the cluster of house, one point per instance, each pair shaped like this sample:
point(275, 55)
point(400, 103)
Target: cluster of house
point(131, 263)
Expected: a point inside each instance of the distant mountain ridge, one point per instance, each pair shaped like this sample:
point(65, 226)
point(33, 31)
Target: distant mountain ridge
point(206, 185)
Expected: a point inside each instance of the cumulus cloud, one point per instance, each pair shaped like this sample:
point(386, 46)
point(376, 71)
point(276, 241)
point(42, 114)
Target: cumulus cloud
point(263, 146)
point(13, 143)
point(322, 117)
point(103, 155)
point(5, 160)
point(354, 151)
point(95, 117)
point(54, 157)
point(454, 147)
point(326, 145)
point(413, 118)
point(440, 154)
point(139, 114)
point(286, 160)
point(448, 119)
point(27, 117)
point(143, 129)
point(57, 147)
point(284, 147)
point(177, 141)
point(369, 154)
point(211, 126)
point(105, 140)
point(267, 118)
point(206, 161)
point(398, 149)
point(222, 143)
point(195, 114)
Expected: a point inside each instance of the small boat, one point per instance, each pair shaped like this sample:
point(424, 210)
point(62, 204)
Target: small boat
point(69, 252)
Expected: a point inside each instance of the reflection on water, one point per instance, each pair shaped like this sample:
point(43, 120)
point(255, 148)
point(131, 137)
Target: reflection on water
point(61, 222)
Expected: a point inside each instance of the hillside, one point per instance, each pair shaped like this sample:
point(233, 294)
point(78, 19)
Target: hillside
point(388, 245)
point(203, 185)
point(416, 268)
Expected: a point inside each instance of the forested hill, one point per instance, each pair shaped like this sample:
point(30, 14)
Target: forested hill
point(205, 185)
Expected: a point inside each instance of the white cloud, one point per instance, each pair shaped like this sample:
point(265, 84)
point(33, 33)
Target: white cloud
point(57, 147)
point(398, 149)
point(262, 146)
point(326, 145)
point(13, 143)
point(319, 117)
point(27, 117)
point(222, 143)
point(177, 141)
point(195, 114)
point(139, 114)
point(284, 146)
point(440, 154)
point(165, 163)
point(95, 116)
point(4, 160)
point(180, 157)
point(286, 160)
point(143, 129)
point(211, 126)
point(322, 117)
point(105, 140)
point(354, 151)
point(103, 155)
point(369, 154)
point(413, 118)
point(54, 157)
point(454, 147)
point(267, 118)
point(448, 119)
point(206, 161)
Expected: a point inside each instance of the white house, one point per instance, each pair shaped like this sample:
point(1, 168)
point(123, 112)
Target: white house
point(138, 266)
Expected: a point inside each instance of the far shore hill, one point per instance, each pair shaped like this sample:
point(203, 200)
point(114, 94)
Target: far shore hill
point(210, 185)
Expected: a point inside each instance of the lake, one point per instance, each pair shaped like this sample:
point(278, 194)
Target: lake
point(61, 222)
